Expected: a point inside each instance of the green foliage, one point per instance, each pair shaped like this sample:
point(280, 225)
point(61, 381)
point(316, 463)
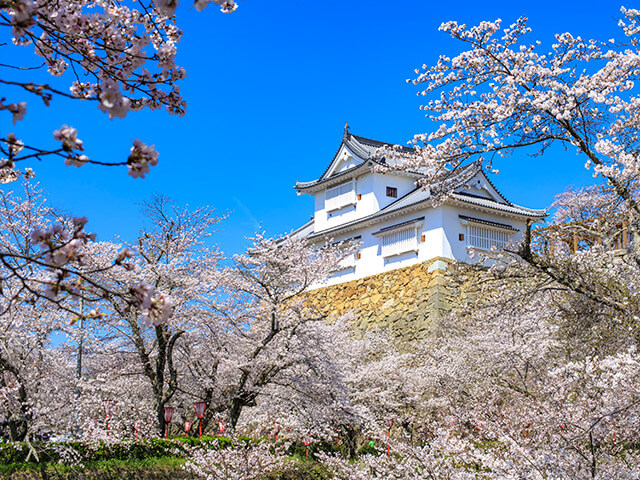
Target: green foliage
point(114, 459)
point(102, 466)
point(82, 452)
point(329, 447)
point(299, 450)
point(207, 441)
point(368, 449)
point(301, 469)
point(164, 468)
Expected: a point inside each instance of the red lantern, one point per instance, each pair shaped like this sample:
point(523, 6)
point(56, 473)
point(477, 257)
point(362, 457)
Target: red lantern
point(276, 430)
point(108, 412)
point(389, 425)
point(307, 442)
point(222, 426)
point(168, 415)
point(200, 407)
point(187, 427)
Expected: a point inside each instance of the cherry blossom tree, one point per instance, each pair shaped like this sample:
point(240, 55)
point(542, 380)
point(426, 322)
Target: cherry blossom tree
point(499, 399)
point(118, 55)
point(501, 94)
point(269, 348)
point(43, 256)
point(169, 276)
point(244, 461)
point(27, 365)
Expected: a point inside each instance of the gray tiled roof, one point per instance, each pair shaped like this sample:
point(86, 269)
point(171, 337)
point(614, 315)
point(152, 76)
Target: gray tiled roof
point(511, 208)
point(487, 222)
point(398, 225)
point(422, 196)
point(344, 173)
point(363, 148)
point(456, 179)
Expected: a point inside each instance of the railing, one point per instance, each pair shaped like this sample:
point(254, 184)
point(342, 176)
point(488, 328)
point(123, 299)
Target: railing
point(485, 238)
point(399, 242)
point(347, 262)
point(340, 196)
point(581, 235)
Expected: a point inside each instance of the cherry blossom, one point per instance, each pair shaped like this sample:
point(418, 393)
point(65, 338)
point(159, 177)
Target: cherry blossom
point(124, 53)
point(248, 461)
point(142, 156)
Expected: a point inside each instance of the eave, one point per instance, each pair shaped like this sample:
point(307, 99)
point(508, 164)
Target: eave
point(508, 211)
point(483, 204)
point(482, 221)
point(370, 220)
point(317, 185)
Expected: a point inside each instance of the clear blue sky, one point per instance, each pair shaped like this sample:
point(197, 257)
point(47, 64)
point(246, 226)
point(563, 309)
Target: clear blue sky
point(269, 89)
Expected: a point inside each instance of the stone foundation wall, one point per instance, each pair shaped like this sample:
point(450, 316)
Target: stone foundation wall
point(407, 300)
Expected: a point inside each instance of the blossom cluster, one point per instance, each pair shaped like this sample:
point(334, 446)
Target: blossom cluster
point(125, 51)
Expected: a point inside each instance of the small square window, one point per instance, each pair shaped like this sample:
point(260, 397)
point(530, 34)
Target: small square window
point(392, 192)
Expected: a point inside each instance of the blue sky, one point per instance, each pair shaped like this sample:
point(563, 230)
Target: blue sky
point(269, 89)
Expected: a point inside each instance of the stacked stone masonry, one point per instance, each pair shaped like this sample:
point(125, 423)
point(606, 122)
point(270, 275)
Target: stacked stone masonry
point(409, 300)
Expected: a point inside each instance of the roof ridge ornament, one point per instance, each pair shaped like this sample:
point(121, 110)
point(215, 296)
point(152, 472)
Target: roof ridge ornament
point(346, 132)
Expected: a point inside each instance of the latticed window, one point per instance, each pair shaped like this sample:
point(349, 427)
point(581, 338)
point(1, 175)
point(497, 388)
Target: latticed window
point(400, 241)
point(347, 262)
point(485, 238)
point(340, 196)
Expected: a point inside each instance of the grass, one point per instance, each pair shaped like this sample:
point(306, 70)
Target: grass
point(160, 464)
point(102, 466)
point(164, 468)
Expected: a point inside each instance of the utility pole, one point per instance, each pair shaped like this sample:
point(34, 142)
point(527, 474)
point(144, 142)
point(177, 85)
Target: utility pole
point(80, 340)
point(79, 365)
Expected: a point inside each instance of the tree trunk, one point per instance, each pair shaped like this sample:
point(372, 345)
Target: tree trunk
point(18, 421)
point(351, 435)
point(233, 414)
point(18, 428)
point(159, 407)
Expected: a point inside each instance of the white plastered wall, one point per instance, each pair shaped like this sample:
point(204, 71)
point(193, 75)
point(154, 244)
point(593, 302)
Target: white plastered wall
point(453, 226)
point(371, 261)
point(372, 188)
point(441, 228)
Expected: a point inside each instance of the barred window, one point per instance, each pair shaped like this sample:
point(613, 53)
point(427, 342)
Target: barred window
point(347, 262)
point(400, 241)
point(340, 196)
point(485, 238)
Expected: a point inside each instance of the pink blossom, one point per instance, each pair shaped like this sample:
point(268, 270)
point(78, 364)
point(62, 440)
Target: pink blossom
point(18, 111)
point(69, 138)
point(141, 158)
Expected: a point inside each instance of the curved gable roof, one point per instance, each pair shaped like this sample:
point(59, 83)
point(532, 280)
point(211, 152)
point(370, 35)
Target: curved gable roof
point(364, 149)
point(361, 148)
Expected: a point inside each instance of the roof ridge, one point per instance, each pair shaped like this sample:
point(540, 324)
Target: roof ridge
point(373, 142)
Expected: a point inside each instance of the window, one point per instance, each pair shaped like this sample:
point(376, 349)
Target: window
point(400, 241)
point(347, 262)
point(392, 192)
point(485, 238)
point(346, 266)
point(340, 196)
